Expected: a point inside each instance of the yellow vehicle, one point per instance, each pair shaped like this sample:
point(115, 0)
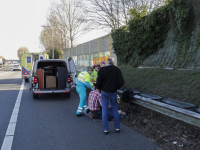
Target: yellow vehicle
point(27, 60)
point(2, 62)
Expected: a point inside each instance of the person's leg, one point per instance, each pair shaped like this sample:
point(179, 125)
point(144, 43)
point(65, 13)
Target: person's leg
point(98, 114)
point(79, 110)
point(85, 105)
point(104, 101)
point(110, 114)
point(113, 100)
point(82, 94)
point(88, 90)
point(86, 100)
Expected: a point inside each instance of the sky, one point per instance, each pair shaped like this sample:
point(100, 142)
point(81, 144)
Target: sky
point(20, 26)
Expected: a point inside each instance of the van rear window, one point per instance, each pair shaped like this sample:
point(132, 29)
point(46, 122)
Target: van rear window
point(28, 59)
point(53, 64)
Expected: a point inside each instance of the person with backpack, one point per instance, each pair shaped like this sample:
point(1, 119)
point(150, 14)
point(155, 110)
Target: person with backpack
point(109, 80)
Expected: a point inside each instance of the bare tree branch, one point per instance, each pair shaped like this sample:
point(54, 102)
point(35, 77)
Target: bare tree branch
point(115, 13)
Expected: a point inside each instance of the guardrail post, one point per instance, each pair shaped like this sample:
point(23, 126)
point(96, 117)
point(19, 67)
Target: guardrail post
point(152, 114)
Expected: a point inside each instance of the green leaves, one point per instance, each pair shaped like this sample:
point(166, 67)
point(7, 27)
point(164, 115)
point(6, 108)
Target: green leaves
point(57, 52)
point(146, 33)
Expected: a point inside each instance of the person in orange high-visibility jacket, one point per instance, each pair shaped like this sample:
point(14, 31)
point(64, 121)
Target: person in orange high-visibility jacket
point(82, 81)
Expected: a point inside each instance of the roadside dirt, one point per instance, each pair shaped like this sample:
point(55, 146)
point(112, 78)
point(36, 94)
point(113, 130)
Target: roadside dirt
point(167, 132)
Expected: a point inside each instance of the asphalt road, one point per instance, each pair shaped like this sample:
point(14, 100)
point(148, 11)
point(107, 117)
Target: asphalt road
point(50, 123)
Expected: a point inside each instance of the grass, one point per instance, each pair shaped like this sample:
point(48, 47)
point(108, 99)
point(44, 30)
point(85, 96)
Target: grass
point(176, 84)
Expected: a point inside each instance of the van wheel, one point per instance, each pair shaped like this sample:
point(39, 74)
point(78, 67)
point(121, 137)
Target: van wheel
point(67, 95)
point(35, 96)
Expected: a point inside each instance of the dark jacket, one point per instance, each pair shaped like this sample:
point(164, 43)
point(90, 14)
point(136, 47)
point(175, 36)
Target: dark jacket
point(109, 79)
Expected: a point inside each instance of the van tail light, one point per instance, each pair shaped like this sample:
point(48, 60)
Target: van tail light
point(69, 79)
point(35, 80)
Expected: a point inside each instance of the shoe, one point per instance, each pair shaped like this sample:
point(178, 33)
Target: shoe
point(106, 132)
point(87, 111)
point(79, 115)
point(93, 116)
point(117, 130)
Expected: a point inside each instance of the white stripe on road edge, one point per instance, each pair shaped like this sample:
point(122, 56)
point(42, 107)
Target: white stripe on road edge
point(7, 142)
point(4, 73)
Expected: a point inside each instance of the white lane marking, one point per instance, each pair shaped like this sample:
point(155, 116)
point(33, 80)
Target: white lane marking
point(15, 110)
point(11, 129)
point(17, 105)
point(6, 142)
point(4, 73)
point(8, 139)
point(13, 118)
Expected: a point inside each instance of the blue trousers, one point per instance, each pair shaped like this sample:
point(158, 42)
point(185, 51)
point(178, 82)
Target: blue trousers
point(105, 98)
point(81, 90)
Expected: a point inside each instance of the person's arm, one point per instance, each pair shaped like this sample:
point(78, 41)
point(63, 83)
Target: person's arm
point(99, 98)
point(88, 85)
point(87, 80)
point(91, 83)
point(120, 79)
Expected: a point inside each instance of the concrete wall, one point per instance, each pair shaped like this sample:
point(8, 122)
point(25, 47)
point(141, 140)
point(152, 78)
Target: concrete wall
point(92, 52)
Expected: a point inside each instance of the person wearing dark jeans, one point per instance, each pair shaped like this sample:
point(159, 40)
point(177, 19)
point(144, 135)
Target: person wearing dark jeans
point(95, 105)
point(109, 80)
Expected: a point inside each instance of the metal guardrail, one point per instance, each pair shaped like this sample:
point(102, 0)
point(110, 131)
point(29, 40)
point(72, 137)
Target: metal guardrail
point(184, 115)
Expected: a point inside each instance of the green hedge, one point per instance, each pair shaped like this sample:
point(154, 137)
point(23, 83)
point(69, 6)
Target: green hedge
point(145, 34)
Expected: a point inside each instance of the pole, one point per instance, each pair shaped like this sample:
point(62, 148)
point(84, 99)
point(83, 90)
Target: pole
point(52, 43)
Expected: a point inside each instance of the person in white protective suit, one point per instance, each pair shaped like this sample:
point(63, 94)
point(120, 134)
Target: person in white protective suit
point(82, 81)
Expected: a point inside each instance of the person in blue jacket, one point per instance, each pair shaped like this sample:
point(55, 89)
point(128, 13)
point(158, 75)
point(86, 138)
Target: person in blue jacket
point(82, 81)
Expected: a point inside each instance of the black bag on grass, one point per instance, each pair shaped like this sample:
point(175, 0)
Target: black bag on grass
point(127, 95)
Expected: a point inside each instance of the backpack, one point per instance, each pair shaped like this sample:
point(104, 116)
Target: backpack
point(127, 95)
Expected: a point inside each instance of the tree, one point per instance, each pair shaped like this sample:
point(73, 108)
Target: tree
point(106, 13)
point(116, 13)
point(2, 57)
point(69, 20)
point(59, 34)
point(46, 39)
point(21, 50)
point(57, 52)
